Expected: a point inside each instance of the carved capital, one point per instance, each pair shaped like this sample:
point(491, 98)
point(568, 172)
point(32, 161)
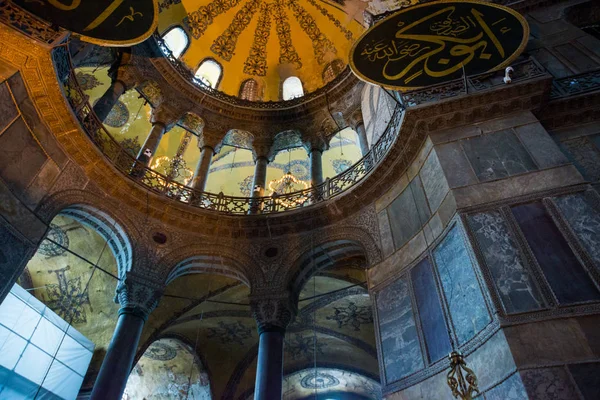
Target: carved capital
point(138, 295)
point(262, 148)
point(210, 138)
point(273, 312)
point(165, 116)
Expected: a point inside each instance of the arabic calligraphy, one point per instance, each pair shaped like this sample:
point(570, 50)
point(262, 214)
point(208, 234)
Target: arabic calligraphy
point(103, 20)
point(437, 42)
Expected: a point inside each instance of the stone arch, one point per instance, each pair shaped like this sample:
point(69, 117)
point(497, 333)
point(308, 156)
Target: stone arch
point(192, 122)
point(344, 244)
point(96, 212)
point(207, 258)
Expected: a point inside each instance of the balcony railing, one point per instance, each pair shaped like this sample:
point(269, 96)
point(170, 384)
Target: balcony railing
point(576, 84)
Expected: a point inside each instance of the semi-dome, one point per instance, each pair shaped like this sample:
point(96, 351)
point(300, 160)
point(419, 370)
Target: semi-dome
point(249, 48)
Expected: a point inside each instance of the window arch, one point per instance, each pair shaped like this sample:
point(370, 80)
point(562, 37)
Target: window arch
point(177, 40)
point(209, 73)
point(249, 90)
point(332, 70)
point(292, 88)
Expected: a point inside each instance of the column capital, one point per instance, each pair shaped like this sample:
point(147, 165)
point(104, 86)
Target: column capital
point(138, 296)
point(273, 312)
point(211, 139)
point(162, 115)
point(316, 142)
point(263, 148)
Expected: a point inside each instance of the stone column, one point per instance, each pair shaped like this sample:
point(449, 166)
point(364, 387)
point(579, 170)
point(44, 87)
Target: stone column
point(162, 121)
point(123, 80)
point(362, 138)
point(138, 298)
point(262, 151)
point(316, 166)
point(273, 313)
point(208, 143)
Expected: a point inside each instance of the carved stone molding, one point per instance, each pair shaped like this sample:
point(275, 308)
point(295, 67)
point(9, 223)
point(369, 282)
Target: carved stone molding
point(272, 311)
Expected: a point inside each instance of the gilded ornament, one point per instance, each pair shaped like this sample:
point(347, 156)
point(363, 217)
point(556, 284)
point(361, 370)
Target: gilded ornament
point(201, 19)
point(287, 52)
point(256, 63)
point(464, 386)
point(224, 45)
point(321, 44)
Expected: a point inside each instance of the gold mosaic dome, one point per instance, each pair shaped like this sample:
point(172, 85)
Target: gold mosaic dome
point(264, 40)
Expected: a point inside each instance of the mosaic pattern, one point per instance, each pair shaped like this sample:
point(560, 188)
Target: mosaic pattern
point(68, 297)
point(165, 4)
point(118, 116)
point(160, 352)
point(59, 236)
point(330, 17)
point(319, 380)
point(287, 52)
point(321, 45)
point(399, 342)
point(256, 63)
point(511, 278)
point(199, 20)
point(230, 332)
point(87, 81)
point(238, 138)
point(224, 45)
point(303, 347)
point(246, 185)
point(463, 294)
point(352, 315)
point(340, 165)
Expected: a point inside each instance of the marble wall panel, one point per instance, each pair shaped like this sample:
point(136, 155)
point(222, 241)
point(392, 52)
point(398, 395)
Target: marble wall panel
point(398, 333)
point(543, 149)
point(585, 156)
point(8, 110)
point(587, 378)
point(497, 155)
point(433, 324)
point(416, 187)
point(548, 384)
point(512, 279)
point(405, 222)
point(488, 373)
point(456, 165)
point(385, 231)
point(584, 220)
point(566, 276)
point(510, 389)
point(434, 181)
point(461, 288)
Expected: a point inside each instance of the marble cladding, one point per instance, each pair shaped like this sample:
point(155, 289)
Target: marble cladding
point(405, 222)
point(433, 325)
point(497, 155)
point(460, 285)
point(489, 373)
point(565, 274)
point(434, 181)
point(512, 280)
point(549, 384)
point(543, 149)
point(398, 332)
point(585, 156)
point(584, 220)
point(510, 389)
point(385, 231)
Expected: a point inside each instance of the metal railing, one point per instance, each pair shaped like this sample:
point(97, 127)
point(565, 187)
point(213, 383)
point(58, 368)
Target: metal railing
point(576, 84)
point(127, 163)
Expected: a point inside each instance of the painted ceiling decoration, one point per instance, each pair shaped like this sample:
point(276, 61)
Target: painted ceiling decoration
point(268, 40)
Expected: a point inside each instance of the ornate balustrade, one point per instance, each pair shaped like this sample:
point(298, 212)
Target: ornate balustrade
point(127, 163)
point(576, 84)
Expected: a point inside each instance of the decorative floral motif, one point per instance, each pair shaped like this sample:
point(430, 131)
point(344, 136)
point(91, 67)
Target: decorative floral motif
point(67, 297)
point(151, 91)
point(340, 165)
point(58, 244)
point(256, 63)
point(165, 4)
point(335, 21)
point(199, 20)
point(224, 45)
point(352, 315)
point(287, 52)
point(87, 81)
point(246, 186)
point(238, 138)
point(161, 352)
point(300, 346)
point(118, 116)
point(234, 332)
point(321, 45)
point(319, 380)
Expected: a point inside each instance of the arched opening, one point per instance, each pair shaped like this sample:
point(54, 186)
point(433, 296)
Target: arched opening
point(292, 88)
point(177, 40)
point(249, 90)
point(168, 369)
point(344, 151)
point(57, 322)
point(232, 168)
point(209, 73)
point(290, 169)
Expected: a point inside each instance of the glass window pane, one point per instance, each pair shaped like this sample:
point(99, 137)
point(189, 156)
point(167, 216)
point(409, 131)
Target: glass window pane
point(292, 88)
point(209, 73)
point(17, 316)
point(177, 41)
point(47, 336)
point(34, 364)
point(11, 348)
point(62, 381)
point(74, 355)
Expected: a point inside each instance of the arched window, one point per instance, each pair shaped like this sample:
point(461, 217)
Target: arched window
point(249, 90)
point(209, 73)
point(176, 40)
point(332, 70)
point(292, 88)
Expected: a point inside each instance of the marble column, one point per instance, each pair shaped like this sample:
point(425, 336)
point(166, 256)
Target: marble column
point(273, 313)
point(137, 298)
point(109, 99)
point(362, 138)
point(316, 166)
point(162, 121)
point(260, 176)
point(202, 168)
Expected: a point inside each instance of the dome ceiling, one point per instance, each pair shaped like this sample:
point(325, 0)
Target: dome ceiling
point(267, 40)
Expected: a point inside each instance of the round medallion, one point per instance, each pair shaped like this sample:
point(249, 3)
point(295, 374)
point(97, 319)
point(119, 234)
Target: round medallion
point(57, 242)
point(161, 352)
point(319, 380)
point(118, 116)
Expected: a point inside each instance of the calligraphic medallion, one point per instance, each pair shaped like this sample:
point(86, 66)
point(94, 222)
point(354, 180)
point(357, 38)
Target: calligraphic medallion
point(437, 42)
point(103, 22)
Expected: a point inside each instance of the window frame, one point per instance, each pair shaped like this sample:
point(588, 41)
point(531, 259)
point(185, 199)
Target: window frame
point(283, 85)
point(220, 75)
point(171, 28)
